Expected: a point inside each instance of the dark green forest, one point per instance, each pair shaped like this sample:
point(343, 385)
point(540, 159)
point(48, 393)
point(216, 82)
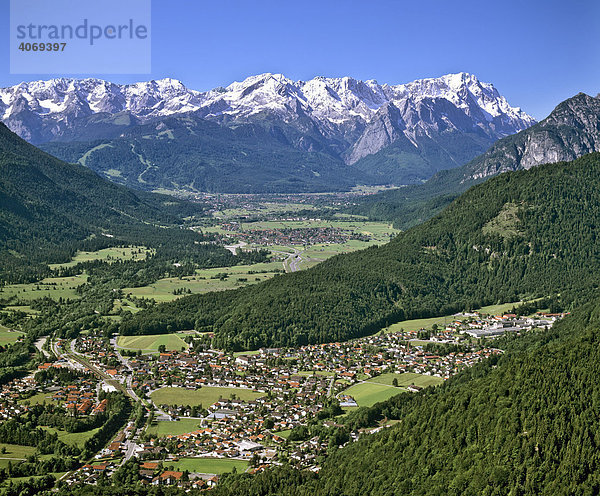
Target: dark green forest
point(50, 209)
point(524, 234)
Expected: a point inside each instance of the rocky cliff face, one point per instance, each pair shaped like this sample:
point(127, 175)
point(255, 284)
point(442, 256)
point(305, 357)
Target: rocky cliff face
point(570, 131)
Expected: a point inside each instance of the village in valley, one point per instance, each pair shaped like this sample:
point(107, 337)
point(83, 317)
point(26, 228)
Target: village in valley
point(202, 412)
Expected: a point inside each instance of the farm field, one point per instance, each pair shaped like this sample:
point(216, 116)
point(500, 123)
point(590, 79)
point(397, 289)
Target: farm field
point(205, 280)
point(109, 254)
point(284, 434)
point(376, 229)
point(407, 379)
point(369, 393)
point(416, 324)
point(21, 308)
point(152, 342)
point(210, 465)
point(205, 396)
point(315, 372)
point(173, 428)
point(72, 438)
point(8, 336)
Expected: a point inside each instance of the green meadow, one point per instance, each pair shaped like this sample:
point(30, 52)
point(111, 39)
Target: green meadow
point(205, 280)
point(407, 379)
point(204, 396)
point(209, 465)
point(72, 438)
point(173, 428)
point(152, 342)
point(107, 254)
point(8, 336)
point(369, 393)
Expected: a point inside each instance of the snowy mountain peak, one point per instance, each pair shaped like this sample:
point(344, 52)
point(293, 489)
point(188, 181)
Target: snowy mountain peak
point(340, 109)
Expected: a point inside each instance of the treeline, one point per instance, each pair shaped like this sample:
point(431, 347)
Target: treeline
point(57, 417)
point(20, 431)
point(28, 487)
point(519, 235)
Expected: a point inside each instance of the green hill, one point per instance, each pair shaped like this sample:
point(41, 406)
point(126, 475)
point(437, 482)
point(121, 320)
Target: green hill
point(49, 209)
point(522, 234)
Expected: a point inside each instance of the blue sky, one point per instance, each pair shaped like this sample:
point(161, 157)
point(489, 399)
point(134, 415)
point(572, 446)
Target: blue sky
point(537, 53)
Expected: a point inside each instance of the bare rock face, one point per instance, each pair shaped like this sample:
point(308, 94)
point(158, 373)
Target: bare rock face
point(570, 131)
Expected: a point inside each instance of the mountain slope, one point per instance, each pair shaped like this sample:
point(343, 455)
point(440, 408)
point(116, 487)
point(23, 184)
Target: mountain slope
point(514, 236)
point(435, 123)
point(189, 153)
point(49, 209)
point(570, 131)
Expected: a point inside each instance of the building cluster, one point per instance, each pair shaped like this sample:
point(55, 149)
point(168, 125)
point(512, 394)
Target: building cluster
point(292, 236)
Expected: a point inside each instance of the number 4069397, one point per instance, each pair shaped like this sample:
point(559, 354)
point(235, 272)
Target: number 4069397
point(42, 47)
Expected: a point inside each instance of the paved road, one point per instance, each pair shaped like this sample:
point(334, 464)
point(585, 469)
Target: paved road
point(293, 260)
point(161, 415)
point(39, 345)
point(331, 383)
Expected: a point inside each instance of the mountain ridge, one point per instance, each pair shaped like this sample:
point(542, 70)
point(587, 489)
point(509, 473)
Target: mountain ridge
point(570, 131)
point(422, 127)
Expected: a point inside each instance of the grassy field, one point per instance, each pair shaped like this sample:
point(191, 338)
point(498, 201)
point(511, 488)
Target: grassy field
point(52, 287)
point(369, 393)
point(416, 324)
point(205, 396)
point(209, 465)
point(64, 287)
point(38, 399)
point(8, 336)
point(315, 372)
point(249, 353)
point(152, 342)
point(358, 226)
point(21, 308)
point(407, 379)
point(284, 434)
point(108, 254)
point(72, 438)
point(173, 428)
point(14, 453)
point(57, 475)
point(205, 280)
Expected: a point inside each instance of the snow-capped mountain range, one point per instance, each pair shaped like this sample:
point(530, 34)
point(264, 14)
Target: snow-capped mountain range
point(351, 118)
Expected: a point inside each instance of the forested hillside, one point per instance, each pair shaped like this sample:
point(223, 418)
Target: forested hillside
point(525, 423)
point(49, 209)
point(190, 153)
point(522, 234)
